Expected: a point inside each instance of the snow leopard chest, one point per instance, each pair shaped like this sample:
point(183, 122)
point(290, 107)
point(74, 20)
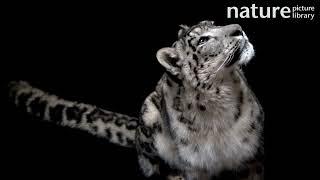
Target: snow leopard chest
point(214, 153)
point(212, 137)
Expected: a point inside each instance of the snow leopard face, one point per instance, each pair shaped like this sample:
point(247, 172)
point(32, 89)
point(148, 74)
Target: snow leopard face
point(204, 51)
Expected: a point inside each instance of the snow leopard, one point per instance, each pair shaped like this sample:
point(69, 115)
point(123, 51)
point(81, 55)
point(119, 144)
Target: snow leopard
point(202, 121)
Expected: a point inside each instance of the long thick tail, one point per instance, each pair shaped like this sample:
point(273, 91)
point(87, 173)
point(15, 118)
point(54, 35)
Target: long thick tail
point(117, 128)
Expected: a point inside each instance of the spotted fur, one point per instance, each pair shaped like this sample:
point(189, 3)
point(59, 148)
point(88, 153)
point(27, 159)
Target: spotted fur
point(211, 121)
point(117, 128)
point(201, 122)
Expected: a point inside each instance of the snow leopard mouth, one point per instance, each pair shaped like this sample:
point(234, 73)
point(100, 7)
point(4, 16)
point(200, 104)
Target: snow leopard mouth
point(236, 55)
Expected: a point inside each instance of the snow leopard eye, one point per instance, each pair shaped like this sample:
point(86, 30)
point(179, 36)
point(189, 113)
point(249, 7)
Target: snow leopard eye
point(203, 40)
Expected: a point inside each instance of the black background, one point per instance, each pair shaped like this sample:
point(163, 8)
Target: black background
point(104, 54)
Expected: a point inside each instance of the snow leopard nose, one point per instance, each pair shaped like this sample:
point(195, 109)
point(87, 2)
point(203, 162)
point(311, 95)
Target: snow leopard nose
point(234, 30)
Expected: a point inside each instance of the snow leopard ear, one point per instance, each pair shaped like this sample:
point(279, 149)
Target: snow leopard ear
point(183, 30)
point(168, 58)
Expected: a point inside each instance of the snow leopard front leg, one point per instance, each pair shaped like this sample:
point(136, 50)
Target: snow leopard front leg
point(151, 126)
point(146, 158)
